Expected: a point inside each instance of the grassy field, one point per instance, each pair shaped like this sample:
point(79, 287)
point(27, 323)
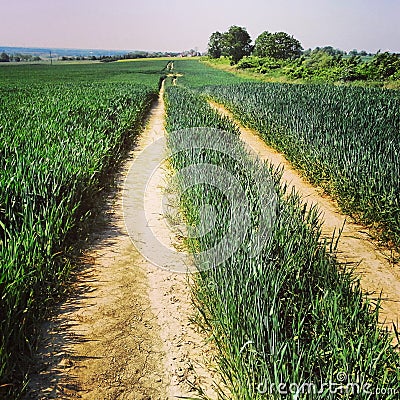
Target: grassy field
point(281, 312)
point(223, 64)
point(196, 74)
point(63, 131)
point(138, 71)
point(344, 139)
point(290, 313)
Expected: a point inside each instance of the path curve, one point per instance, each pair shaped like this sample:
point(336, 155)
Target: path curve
point(356, 246)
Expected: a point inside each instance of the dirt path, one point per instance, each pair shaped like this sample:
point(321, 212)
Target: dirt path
point(355, 246)
point(125, 332)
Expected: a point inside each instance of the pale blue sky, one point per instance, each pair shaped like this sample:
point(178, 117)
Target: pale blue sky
point(175, 25)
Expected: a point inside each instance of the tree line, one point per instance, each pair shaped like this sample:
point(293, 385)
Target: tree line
point(281, 53)
point(18, 57)
point(4, 57)
point(236, 44)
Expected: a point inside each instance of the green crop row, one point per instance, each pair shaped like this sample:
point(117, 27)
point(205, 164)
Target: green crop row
point(192, 73)
point(344, 139)
point(280, 311)
point(137, 71)
point(58, 143)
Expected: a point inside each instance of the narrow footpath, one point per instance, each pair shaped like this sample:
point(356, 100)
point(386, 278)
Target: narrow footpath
point(356, 247)
point(125, 332)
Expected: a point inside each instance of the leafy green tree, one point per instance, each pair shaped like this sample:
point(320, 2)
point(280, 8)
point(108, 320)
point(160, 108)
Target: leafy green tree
point(262, 44)
point(319, 59)
point(384, 65)
point(4, 57)
point(215, 45)
point(279, 45)
point(236, 43)
point(331, 51)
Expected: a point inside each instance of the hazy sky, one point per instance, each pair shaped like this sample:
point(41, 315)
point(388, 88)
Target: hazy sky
point(175, 25)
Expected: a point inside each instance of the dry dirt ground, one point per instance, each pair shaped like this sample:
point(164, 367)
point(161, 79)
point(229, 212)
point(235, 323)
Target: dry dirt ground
point(356, 246)
point(125, 333)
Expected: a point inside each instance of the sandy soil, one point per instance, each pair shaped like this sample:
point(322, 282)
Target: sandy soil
point(356, 246)
point(125, 333)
